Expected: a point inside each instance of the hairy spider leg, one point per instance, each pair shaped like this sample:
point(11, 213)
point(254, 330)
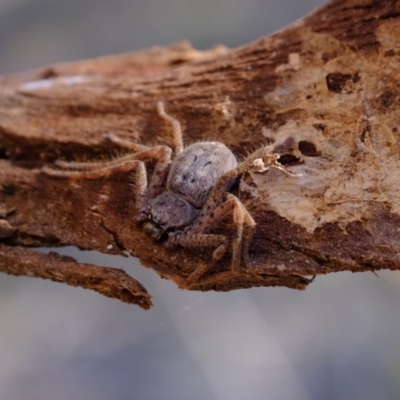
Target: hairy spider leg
point(201, 240)
point(241, 217)
point(261, 161)
point(244, 225)
point(243, 220)
point(132, 162)
point(92, 165)
point(176, 127)
point(176, 134)
point(127, 144)
point(216, 198)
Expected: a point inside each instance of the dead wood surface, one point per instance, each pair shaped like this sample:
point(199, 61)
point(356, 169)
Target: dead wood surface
point(325, 91)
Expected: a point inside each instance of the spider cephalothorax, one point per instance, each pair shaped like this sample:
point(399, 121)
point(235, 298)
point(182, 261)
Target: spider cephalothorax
point(186, 195)
point(168, 212)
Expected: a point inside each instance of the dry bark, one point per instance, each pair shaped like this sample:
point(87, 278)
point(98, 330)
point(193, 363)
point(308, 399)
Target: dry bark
point(324, 91)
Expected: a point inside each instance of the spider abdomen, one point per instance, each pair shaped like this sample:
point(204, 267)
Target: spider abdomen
point(197, 168)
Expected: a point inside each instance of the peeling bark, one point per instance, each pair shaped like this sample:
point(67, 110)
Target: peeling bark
point(324, 92)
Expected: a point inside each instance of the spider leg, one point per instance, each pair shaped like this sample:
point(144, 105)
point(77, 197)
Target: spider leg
point(99, 165)
point(202, 240)
point(196, 237)
point(93, 166)
point(132, 162)
point(262, 160)
point(127, 144)
point(176, 133)
point(176, 127)
point(216, 198)
point(248, 228)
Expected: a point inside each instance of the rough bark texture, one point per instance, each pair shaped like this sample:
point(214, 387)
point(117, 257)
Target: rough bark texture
point(324, 91)
point(110, 282)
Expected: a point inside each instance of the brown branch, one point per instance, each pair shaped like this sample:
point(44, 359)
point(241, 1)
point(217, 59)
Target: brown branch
point(110, 282)
point(324, 91)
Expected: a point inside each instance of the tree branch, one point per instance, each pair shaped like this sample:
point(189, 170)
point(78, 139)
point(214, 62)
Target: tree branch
point(323, 91)
point(110, 282)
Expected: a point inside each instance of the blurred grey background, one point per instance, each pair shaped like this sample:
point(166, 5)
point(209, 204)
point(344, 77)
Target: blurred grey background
point(337, 340)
